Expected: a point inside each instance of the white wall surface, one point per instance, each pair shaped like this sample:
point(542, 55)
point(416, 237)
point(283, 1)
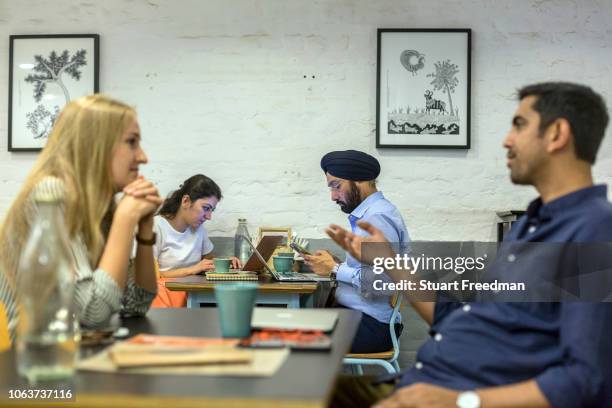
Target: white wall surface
point(220, 89)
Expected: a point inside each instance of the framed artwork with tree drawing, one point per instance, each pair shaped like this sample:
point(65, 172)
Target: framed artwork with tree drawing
point(45, 73)
point(423, 88)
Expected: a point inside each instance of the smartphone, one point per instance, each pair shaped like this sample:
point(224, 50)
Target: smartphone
point(299, 249)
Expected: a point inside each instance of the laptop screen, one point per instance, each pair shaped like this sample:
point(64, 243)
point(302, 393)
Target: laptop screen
point(262, 253)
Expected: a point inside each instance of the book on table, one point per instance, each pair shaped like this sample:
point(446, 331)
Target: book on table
point(153, 350)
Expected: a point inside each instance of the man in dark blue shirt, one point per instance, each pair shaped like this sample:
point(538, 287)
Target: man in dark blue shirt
point(502, 354)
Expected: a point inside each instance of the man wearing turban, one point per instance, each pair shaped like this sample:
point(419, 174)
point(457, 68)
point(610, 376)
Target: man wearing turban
point(351, 177)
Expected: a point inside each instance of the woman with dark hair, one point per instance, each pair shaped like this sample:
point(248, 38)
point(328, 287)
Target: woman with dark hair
point(182, 246)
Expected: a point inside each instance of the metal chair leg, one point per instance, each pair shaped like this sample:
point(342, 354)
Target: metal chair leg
point(382, 363)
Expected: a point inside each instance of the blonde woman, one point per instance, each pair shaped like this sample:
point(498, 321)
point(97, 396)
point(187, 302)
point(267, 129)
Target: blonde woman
point(93, 152)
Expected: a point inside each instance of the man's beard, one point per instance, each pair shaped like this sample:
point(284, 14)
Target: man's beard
point(353, 199)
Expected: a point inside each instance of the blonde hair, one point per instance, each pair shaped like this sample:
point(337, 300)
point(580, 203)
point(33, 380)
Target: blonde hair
point(79, 152)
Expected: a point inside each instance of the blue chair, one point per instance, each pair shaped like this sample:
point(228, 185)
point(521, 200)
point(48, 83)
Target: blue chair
point(386, 359)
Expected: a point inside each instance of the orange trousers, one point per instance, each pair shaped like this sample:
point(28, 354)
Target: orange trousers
point(168, 298)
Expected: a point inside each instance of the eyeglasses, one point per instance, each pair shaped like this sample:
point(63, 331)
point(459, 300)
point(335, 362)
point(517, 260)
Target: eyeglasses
point(335, 185)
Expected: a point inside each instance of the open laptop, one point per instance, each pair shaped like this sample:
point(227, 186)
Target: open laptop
point(265, 248)
point(282, 277)
point(294, 319)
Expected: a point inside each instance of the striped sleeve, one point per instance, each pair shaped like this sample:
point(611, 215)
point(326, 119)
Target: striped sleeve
point(7, 297)
point(136, 301)
point(97, 297)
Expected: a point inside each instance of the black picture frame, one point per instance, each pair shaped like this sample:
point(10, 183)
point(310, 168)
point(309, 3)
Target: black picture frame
point(45, 72)
point(423, 78)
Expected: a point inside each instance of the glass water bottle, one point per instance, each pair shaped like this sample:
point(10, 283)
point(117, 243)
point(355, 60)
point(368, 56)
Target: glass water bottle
point(242, 250)
point(48, 334)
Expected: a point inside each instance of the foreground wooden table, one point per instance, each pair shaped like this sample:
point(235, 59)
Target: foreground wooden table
point(306, 379)
point(270, 292)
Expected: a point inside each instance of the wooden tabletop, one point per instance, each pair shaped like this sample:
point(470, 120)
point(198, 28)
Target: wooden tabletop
point(306, 379)
point(199, 283)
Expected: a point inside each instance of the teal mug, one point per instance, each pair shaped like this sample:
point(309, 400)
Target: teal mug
point(222, 265)
point(235, 302)
point(282, 264)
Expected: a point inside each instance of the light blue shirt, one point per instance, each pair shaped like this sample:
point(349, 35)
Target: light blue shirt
point(379, 212)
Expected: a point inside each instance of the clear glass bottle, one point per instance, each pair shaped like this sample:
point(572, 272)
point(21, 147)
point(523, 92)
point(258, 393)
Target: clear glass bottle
point(48, 334)
point(242, 250)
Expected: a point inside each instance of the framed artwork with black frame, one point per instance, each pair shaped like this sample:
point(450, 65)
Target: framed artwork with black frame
point(45, 73)
point(423, 88)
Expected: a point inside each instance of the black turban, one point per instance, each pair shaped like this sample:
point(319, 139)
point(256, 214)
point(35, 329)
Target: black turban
point(351, 165)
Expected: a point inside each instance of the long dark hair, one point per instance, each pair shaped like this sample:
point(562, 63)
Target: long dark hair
point(196, 187)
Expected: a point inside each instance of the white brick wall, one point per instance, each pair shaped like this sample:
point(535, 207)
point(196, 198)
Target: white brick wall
point(220, 89)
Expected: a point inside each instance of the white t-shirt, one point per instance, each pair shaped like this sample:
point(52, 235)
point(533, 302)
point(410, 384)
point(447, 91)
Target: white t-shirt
point(175, 249)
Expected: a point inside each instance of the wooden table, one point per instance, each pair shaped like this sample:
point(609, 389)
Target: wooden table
point(270, 292)
point(306, 379)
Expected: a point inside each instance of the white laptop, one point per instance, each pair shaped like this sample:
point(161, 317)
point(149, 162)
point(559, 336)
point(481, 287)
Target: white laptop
point(294, 319)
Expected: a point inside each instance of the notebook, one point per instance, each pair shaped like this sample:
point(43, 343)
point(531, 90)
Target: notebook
point(151, 350)
point(238, 276)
